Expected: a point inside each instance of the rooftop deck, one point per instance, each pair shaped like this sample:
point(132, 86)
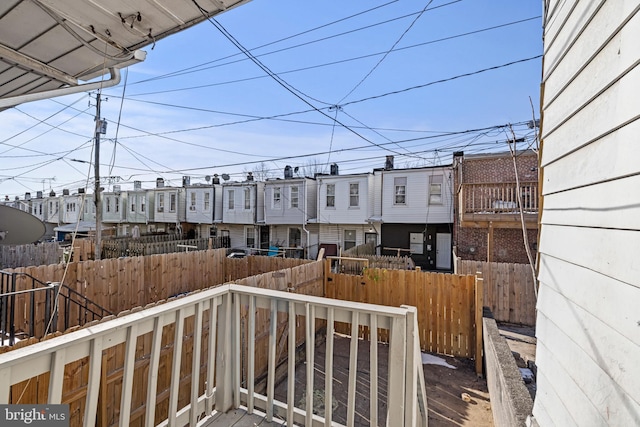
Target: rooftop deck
point(498, 203)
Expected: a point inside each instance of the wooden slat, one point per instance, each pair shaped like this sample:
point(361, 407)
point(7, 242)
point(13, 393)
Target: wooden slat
point(175, 366)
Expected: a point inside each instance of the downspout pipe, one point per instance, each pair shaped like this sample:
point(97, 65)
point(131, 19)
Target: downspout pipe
point(304, 218)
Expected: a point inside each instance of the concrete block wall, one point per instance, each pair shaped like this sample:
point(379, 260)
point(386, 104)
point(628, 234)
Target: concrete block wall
point(511, 402)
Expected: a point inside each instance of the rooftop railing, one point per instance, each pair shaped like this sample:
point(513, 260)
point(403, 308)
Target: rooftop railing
point(496, 198)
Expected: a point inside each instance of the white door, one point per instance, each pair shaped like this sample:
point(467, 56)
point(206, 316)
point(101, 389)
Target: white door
point(443, 251)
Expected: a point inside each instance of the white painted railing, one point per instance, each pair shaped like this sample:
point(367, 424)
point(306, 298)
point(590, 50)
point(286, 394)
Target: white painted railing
point(221, 307)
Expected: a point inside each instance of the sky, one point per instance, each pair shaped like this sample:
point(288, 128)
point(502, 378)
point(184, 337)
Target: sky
point(301, 83)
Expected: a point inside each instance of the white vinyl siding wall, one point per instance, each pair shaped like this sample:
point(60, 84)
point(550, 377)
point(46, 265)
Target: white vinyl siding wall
point(240, 215)
point(144, 206)
point(587, 324)
point(342, 213)
point(417, 208)
point(287, 214)
point(199, 215)
point(179, 208)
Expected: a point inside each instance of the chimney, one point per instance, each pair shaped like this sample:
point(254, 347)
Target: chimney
point(249, 176)
point(186, 181)
point(117, 189)
point(388, 163)
point(39, 194)
point(27, 196)
point(137, 185)
point(80, 190)
point(288, 172)
point(52, 193)
point(159, 183)
point(216, 179)
point(333, 169)
point(65, 192)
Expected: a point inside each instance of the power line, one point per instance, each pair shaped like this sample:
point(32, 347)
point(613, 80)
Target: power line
point(384, 56)
point(327, 64)
point(484, 70)
point(196, 68)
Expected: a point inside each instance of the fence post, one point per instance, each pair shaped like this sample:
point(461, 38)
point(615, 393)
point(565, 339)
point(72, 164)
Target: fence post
point(478, 314)
point(55, 287)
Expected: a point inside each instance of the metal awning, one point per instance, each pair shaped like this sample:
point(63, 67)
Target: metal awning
point(48, 45)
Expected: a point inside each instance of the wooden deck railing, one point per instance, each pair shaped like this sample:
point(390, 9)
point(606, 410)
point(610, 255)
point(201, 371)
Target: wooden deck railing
point(498, 198)
point(213, 359)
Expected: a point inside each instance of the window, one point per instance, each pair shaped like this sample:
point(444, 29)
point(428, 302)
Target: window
point(40, 209)
point(277, 198)
point(435, 190)
point(108, 204)
point(117, 203)
point(354, 195)
point(207, 202)
point(247, 198)
point(400, 191)
point(331, 195)
point(160, 202)
point(349, 239)
point(143, 201)
point(133, 203)
point(294, 237)
point(250, 237)
point(172, 202)
point(192, 199)
point(293, 196)
point(232, 195)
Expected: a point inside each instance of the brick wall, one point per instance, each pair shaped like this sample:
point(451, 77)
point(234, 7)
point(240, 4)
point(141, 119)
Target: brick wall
point(498, 168)
point(508, 243)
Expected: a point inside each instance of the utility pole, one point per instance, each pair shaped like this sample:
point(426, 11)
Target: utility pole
point(96, 191)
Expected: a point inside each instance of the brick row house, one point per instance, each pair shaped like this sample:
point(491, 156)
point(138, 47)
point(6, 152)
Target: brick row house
point(488, 202)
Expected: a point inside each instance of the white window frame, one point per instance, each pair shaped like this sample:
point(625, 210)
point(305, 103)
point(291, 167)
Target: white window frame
point(231, 203)
point(160, 203)
point(299, 232)
point(294, 196)
point(247, 198)
point(250, 234)
point(173, 201)
point(354, 197)
point(435, 189)
point(276, 200)
point(192, 201)
point(331, 196)
point(207, 202)
point(348, 244)
point(400, 191)
point(132, 200)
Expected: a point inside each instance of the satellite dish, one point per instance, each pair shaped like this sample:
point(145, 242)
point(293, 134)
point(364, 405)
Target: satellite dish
point(18, 227)
point(207, 178)
point(225, 176)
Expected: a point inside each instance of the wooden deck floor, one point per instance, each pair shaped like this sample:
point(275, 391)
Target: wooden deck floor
point(240, 418)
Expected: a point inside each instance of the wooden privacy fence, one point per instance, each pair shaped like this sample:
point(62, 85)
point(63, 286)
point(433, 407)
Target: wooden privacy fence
point(508, 290)
point(449, 306)
point(124, 283)
point(305, 278)
point(24, 255)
